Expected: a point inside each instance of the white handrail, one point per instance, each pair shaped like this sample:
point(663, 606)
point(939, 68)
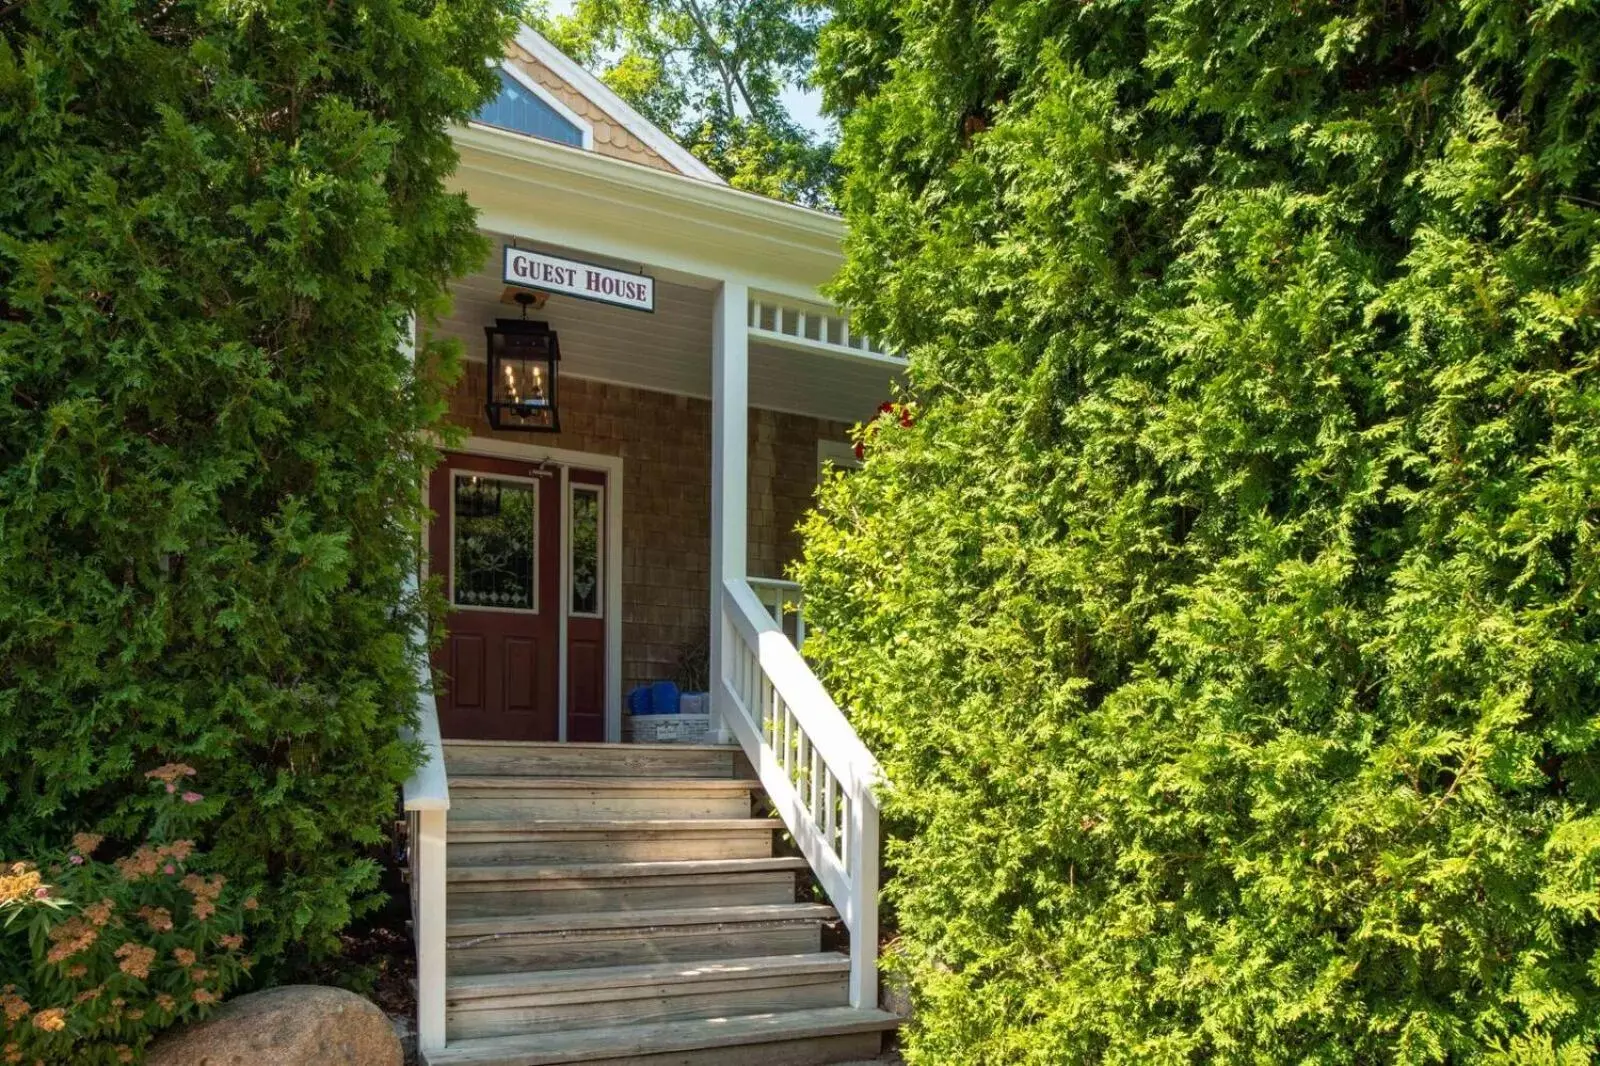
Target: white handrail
point(814, 768)
point(783, 600)
point(426, 794)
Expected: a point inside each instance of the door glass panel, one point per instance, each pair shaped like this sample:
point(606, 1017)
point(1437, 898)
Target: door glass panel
point(495, 526)
point(585, 550)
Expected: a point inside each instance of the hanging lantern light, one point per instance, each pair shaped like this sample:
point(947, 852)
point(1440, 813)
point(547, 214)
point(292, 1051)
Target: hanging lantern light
point(522, 373)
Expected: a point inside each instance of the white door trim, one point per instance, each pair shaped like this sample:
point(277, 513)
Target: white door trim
point(611, 571)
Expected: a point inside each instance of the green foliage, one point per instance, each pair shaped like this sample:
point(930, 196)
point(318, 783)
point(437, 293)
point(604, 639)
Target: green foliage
point(712, 73)
point(1228, 621)
point(214, 219)
point(100, 956)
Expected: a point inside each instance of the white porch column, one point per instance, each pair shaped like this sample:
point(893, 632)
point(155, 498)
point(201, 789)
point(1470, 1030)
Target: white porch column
point(730, 462)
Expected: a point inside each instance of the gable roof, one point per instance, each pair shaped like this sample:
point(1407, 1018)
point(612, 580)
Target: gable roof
point(533, 42)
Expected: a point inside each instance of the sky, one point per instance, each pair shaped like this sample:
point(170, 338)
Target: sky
point(805, 105)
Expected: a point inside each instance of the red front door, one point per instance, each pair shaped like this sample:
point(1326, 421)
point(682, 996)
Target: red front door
point(496, 543)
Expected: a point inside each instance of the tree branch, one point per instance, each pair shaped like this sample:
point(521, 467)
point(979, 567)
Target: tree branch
point(729, 72)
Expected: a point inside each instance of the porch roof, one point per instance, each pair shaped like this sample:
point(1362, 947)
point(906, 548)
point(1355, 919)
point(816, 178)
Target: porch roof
point(670, 350)
point(690, 235)
point(675, 224)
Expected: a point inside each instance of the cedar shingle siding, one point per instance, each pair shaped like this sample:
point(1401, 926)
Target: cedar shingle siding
point(610, 138)
point(665, 443)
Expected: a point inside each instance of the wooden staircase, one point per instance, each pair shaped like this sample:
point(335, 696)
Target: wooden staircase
point(622, 905)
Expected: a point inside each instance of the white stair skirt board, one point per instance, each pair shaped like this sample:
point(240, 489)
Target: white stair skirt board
point(638, 916)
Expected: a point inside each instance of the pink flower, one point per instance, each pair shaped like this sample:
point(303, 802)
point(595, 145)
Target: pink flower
point(76, 860)
point(192, 797)
point(171, 788)
point(42, 892)
point(169, 869)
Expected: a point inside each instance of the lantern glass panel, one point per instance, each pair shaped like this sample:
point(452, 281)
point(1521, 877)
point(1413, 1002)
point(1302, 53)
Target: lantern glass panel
point(523, 357)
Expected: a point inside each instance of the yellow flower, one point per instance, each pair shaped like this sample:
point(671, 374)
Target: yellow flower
point(69, 938)
point(136, 959)
point(23, 884)
point(158, 918)
point(14, 1006)
point(51, 1021)
point(170, 773)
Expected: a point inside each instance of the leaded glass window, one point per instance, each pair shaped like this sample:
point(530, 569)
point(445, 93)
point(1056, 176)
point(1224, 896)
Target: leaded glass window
point(495, 530)
point(586, 549)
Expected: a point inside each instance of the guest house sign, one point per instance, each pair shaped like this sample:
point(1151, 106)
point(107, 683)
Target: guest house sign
point(551, 273)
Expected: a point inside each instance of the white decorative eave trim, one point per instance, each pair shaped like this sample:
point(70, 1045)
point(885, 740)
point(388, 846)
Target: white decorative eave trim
point(583, 125)
point(608, 101)
point(588, 202)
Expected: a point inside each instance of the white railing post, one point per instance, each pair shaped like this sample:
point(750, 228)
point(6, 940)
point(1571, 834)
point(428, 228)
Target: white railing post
point(730, 460)
point(426, 795)
point(863, 865)
point(428, 926)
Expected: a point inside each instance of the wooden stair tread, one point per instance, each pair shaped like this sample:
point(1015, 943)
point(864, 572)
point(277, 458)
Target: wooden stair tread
point(584, 871)
point(513, 826)
point(605, 784)
point(649, 919)
point(614, 1042)
point(593, 745)
point(611, 978)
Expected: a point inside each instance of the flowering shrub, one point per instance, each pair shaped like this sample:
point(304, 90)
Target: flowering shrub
point(98, 953)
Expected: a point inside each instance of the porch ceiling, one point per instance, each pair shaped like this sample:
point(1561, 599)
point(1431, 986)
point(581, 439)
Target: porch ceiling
point(670, 350)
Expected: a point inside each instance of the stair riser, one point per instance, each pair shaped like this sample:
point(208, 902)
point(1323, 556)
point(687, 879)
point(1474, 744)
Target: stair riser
point(617, 760)
point(812, 1051)
point(569, 805)
point(629, 947)
point(666, 1002)
point(632, 847)
point(501, 899)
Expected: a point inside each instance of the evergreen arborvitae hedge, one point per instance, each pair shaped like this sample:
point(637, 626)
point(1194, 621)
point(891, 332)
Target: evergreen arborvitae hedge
point(1228, 621)
point(214, 218)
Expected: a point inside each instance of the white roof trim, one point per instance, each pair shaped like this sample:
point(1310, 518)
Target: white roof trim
point(608, 101)
point(584, 126)
point(599, 205)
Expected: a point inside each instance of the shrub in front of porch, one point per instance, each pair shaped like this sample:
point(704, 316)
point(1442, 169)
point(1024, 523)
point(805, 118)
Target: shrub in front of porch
point(214, 221)
point(103, 951)
point(1227, 619)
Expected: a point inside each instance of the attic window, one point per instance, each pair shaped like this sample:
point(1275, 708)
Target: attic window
point(522, 110)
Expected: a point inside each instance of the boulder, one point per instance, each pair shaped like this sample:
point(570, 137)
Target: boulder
point(297, 1025)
